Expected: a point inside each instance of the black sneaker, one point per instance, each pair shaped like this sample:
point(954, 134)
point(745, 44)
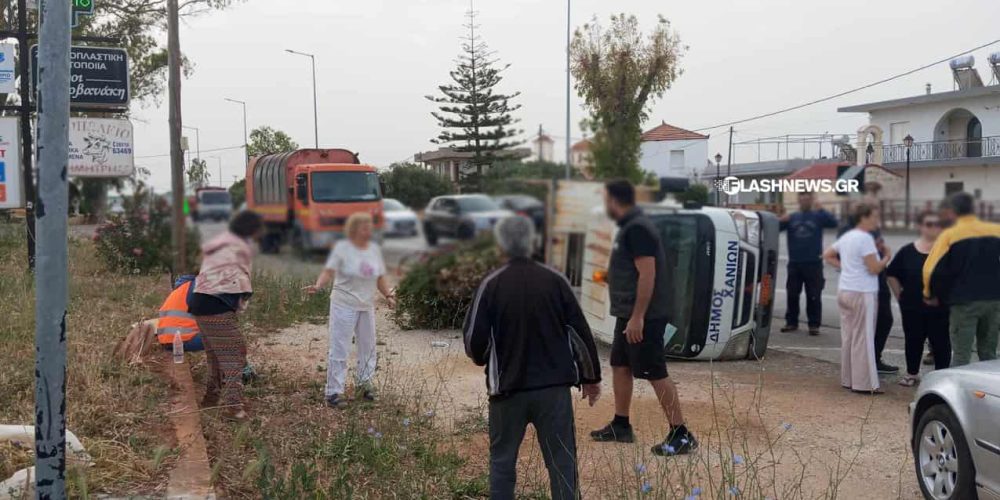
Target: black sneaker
point(789, 328)
point(676, 444)
point(814, 330)
point(886, 369)
point(613, 433)
point(334, 401)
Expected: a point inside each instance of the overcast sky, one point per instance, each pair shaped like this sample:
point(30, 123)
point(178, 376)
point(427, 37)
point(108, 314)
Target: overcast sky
point(377, 59)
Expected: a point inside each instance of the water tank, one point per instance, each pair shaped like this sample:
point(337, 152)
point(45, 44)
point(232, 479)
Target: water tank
point(964, 62)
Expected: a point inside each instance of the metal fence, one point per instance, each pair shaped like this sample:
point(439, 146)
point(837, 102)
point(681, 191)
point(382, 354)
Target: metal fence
point(943, 150)
point(893, 211)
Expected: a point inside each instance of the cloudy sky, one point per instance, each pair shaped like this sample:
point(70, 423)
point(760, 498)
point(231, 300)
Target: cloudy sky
point(377, 59)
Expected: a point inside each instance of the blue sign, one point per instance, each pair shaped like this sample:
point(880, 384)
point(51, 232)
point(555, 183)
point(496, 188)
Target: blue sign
point(3, 171)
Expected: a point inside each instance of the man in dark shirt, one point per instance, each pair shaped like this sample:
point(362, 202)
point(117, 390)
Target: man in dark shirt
point(526, 327)
point(637, 289)
point(805, 265)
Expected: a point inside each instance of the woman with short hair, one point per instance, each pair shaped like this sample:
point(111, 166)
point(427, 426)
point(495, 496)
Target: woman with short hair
point(222, 289)
point(855, 255)
point(357, 270)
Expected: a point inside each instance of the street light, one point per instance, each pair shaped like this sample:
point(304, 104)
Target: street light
point(718, 176)
point(246, 142)
point(219, 160)
point(315, 105)
point(908, 142)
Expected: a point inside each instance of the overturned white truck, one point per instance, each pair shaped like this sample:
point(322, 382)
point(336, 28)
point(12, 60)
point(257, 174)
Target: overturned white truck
point(722, 261)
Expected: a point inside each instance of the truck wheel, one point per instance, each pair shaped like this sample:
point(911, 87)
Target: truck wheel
point(430, 235)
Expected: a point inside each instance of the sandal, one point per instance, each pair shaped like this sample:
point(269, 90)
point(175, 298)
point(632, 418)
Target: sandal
point(909, 380)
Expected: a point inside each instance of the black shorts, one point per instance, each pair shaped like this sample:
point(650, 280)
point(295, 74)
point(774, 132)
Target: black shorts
point(647, 358)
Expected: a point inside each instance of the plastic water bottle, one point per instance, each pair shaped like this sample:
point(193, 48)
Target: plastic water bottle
point(178, 348)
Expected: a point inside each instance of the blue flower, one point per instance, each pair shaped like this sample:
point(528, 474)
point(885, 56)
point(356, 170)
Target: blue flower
point(787, 426)
point(406, 422)
point(378, 435)
point(646, 487)
point(734, 491)
point(640, 468)
point(737, 459)
point(429, 413)
point(371, 430)
point(696, 491)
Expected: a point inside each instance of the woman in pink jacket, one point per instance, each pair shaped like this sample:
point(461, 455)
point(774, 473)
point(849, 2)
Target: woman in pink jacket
point(221, 290)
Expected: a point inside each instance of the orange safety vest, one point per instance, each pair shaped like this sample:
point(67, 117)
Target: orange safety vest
point(174, 317)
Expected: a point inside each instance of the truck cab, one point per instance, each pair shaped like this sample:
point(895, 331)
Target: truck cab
point(212, 203)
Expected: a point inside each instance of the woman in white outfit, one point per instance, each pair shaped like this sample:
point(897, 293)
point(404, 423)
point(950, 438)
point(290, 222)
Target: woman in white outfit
point(857, 257)
point(357, 270)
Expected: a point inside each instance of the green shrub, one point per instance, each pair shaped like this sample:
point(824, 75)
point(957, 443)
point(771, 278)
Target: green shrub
point(437, 291)
point(413, 185)
point(139, 241)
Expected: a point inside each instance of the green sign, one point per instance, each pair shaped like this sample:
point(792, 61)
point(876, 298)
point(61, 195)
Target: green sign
point(81, 8)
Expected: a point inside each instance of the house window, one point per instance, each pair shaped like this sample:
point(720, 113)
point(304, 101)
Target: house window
point(676, 159)
point(974, 136)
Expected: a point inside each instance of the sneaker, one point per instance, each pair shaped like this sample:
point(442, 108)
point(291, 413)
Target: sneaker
point(676, 444)
point(334, 401)
point(814, 330)
point(789, 328)
point(613, 433)
point(886, 369)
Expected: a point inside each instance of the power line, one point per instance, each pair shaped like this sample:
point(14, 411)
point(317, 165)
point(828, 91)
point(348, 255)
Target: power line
point(203, 151)
point(841, 94)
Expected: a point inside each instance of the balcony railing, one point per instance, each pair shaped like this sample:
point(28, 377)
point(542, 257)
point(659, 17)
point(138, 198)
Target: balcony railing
point(943, 150)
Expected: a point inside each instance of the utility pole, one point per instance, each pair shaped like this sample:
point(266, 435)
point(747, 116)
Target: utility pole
point(312, 57)
point(246, 140)
point(51, 277)
point(27, 148)
point(569, 133)
point(729, 159)
point(176, 154)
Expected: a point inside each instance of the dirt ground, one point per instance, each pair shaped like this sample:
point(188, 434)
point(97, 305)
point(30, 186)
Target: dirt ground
point(783, 427)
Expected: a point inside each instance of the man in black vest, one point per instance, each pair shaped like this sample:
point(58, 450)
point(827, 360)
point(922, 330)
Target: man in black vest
point(638, 288)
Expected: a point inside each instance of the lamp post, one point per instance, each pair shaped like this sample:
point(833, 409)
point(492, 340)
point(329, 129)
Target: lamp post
point(246, 141)
point(908, 142)
point(718, 176)
point(315, 105)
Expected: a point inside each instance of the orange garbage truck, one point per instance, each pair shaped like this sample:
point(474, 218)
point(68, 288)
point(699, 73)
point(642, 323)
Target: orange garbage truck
point(306, 196)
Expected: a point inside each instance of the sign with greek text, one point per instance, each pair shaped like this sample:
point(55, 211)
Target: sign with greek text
point(100, 147)
point(11, 188)
point(98, 76)
point(7, 68)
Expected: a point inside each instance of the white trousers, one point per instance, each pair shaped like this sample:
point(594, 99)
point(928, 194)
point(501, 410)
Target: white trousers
point(857, 340)
point(345, 324)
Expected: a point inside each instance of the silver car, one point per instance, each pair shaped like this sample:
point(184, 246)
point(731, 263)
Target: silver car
point(955, 431)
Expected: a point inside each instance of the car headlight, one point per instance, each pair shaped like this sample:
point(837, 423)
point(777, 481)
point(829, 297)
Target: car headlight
point(747, 228)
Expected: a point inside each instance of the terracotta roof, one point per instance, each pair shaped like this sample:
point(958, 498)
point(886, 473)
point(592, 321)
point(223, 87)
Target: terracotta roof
point(583, 145)
point(666, 132)
point(827, 171)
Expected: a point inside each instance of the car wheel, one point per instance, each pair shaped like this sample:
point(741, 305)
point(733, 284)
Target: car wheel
point(430, 235)
point(941, 456)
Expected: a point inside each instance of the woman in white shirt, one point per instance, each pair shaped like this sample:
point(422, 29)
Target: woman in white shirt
point(857, 258)
point(357, 270)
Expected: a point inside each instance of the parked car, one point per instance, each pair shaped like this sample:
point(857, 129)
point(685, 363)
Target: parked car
point(955, 432)
point(399, 220)
point(461, 216)
point(522, 204)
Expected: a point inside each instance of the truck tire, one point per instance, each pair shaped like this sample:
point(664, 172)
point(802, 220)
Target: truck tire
point(430, 235)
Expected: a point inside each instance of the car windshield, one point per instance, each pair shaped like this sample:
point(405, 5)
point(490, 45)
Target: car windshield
point(390, 205)
point(679, 235)
point(476, 204)
point(215, 198)
point(521, 202)
point(344, 186)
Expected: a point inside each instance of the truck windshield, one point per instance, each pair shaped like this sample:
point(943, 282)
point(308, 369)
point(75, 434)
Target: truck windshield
point(344, 186)
point(687, 263)
point(215, 198)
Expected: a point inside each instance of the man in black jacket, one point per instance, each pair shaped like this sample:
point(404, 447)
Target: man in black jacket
point(527, 328)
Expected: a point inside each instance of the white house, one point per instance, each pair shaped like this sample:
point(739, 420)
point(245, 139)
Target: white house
point(542, 147)
point(670, 151)
point(955, 134)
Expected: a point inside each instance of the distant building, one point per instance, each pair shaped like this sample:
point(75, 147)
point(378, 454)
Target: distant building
point(452, 164)
point(669, 151)
point(956, 138)
point(581, 159)
point(542, 146)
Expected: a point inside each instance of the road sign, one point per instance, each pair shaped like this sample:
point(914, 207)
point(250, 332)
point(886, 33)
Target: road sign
point(98, 76)
point(11, 188)
point(7, 69)
point(100, 147)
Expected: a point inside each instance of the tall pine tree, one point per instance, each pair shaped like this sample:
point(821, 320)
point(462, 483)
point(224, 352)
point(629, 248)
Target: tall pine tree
point(474, 118)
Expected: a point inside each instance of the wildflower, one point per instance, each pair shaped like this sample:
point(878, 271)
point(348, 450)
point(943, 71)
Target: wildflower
point(696, 491)
point(669, 449)
point(737, 459)
point(787, 426)
point(378, 435)
point(137, 252)
point(646, 487)
point(429, 413)
point(640, 468)
point(371, 430)
point(406, 422)
point(734, 491)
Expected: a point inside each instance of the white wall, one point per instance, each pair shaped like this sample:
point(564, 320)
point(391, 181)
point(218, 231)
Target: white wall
point(924, 118)
point(929, 183)
point(655, 157)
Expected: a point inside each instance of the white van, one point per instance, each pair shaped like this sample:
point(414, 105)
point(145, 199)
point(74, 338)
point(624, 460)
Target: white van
point(723, 264)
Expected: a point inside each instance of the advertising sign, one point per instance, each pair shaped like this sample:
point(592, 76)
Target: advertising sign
point(98, 76)
point(7, 69)
point(11, 190)
point(100, 147)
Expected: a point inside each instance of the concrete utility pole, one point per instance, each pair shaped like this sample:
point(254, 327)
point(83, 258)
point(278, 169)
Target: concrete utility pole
point(569, 133)
point(176, 153)
point(51, 280)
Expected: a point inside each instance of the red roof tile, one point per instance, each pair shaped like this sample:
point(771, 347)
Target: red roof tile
point(826, 171)
point(583, 145)
point(666, 132)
